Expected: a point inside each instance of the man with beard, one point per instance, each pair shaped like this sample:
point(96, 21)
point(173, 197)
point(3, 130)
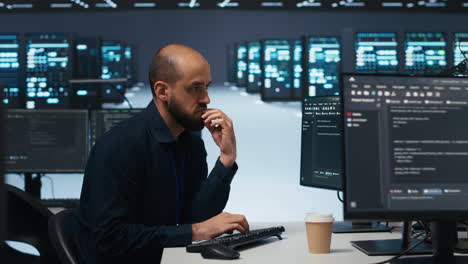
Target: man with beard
point(145, 185)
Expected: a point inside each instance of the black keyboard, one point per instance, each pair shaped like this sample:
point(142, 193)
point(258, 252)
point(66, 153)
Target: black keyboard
point(236, 240)
point(61, 202)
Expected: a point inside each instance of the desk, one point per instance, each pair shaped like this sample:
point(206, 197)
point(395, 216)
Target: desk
point(291, 250)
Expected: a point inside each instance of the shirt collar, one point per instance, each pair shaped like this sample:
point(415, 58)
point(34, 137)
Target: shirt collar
point(159, 129)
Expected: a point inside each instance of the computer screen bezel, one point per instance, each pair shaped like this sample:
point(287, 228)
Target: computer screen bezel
point(390, 215)
point(340, 156)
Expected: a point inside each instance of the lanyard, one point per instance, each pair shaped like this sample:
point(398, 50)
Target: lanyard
point(179, 182)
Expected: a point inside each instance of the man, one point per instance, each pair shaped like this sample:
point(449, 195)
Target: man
point(145, 185)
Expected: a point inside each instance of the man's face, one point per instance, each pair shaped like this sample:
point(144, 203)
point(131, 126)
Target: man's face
point(189, 95)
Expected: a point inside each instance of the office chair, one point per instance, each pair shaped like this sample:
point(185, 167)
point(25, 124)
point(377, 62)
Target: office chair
point(60, 226)
point(28, 223)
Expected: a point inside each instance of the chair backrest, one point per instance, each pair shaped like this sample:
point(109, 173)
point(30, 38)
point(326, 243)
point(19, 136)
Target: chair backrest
point(61, 235)
point(28, 222)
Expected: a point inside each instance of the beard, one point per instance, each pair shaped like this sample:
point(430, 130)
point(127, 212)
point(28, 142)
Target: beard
point(191, 122)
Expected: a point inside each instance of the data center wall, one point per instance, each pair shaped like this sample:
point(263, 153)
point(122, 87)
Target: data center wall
point(210, 31)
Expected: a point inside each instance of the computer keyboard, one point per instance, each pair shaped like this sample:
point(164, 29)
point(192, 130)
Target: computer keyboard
point(61, 202)
point(223, 247)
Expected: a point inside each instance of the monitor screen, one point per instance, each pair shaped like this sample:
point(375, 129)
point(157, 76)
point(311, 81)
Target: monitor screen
point(112, 67)
point(321, 146)
point(425, 53)
point(460, 46)
point(45, 140)
point(103, 120)
point(241, 61)
point(276, 70)
point(10, 78)
point(297, 70)
point(47, 70)
point(376, 52)
point(254, 71)
point(86, 66)
point(323, 66)
point(405, 146)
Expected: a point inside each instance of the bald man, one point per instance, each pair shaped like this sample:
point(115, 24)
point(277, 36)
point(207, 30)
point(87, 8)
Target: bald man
point(145, 185)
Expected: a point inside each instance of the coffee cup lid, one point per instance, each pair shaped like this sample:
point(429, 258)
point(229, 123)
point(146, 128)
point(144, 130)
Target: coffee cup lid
point(318, 218)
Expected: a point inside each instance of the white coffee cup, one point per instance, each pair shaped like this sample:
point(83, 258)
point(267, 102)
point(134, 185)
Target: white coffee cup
point(319, 230)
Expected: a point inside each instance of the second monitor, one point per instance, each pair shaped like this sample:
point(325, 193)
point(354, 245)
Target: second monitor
point(321, 153)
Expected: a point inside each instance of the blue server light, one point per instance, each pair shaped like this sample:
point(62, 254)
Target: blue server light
point(9, 71)
point(376, 53)
point(47, 70)
point(323, 66)
point(425, 53)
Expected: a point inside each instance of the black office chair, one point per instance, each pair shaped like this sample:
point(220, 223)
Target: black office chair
point(60, 228)
point(27, 223)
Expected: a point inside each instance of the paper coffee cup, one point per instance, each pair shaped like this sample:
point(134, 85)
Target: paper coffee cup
point(319, 230)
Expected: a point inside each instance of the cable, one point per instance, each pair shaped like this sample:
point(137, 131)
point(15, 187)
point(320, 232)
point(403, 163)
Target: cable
point(121, 94)
point(462, 52)
point(51, 185)
point(406, 251)
point(338, 195)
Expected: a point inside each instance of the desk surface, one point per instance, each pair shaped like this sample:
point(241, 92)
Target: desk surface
point(292, 249)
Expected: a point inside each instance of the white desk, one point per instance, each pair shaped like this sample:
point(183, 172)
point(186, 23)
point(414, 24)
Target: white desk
point(291, 250)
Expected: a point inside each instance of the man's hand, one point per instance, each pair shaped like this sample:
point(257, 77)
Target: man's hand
point(222, 131)
point(218, 225)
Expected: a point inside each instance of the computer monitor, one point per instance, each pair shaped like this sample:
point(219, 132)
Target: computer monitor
point(321, 153)
point(405, 151)
point(105, 119)
point(425, 53)
point(87, 65)
point(254, 70)
point(297, 69)
point(10, 72)
point(322, 66)
point(45, 141)
point(321, 142)
point(376, 52)
point(113, 67)
point(48, 69)
point(276, 70)
point(241, 62)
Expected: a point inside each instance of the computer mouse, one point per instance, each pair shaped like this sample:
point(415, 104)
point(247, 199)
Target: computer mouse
point(219, 252)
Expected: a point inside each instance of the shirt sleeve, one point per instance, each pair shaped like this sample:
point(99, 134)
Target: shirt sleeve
point(111, 184)
point(213, 192)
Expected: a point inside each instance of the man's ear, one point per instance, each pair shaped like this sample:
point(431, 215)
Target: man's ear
point(161, 90)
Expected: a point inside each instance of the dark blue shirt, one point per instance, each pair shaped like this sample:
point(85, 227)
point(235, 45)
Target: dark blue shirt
point(142, 190)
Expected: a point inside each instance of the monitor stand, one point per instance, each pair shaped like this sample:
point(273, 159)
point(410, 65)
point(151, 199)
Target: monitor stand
point(444, 238)
point(359, 227)
point(393, 246)
point(32, 184)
